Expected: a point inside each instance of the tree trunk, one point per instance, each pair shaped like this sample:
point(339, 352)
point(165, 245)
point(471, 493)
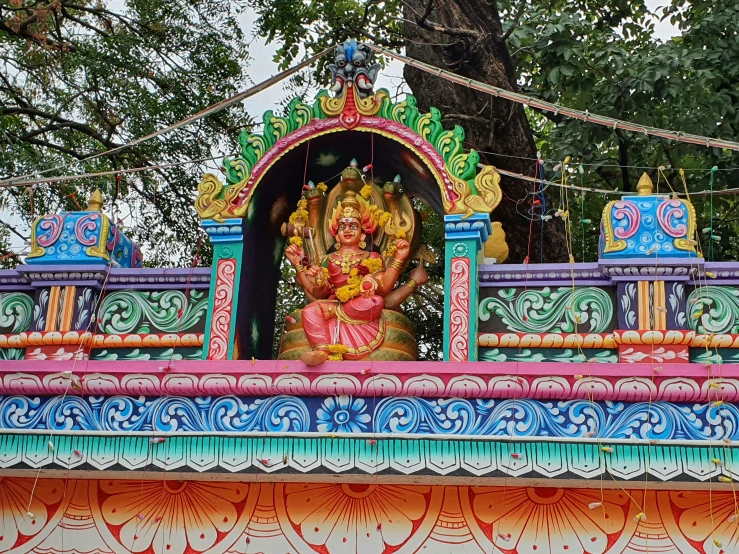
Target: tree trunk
point(471, 45)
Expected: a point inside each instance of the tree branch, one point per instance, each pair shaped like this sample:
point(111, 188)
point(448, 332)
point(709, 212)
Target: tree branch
point(423, 23)
point(519, 13)
point(85, 129)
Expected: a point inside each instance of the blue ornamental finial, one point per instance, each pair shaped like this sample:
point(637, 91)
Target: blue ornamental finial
point(353, 64)
point(350, 46)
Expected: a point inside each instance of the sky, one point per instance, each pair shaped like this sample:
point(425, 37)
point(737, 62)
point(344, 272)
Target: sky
point(262, 66)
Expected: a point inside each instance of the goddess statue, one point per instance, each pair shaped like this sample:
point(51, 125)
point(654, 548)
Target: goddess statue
point(352, 288)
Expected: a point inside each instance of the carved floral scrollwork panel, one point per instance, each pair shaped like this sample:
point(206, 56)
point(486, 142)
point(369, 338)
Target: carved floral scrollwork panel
point(220, 325)
point(547, 310)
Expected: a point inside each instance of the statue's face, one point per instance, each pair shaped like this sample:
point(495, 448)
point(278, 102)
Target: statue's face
point(350, 231)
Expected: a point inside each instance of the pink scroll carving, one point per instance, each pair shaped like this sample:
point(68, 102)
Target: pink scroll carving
point(459, 313)
point(220, 324)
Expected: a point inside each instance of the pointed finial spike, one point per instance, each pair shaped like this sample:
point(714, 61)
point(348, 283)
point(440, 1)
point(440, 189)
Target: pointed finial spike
point(96, 202)
point(397, 179)
point(354, 163)
point(645, 186)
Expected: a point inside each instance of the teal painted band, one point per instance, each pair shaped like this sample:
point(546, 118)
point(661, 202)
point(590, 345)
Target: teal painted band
point(447, 301)
point(237, 282)
point(361, 456)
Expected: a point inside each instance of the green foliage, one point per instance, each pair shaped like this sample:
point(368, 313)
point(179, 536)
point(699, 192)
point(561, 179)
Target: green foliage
point(82, 77)
point(610, 63)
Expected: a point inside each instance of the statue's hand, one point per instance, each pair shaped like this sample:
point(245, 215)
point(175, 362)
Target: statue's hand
point(419, 275)
point(295, 254)
point(402, 249)
point(368, 286)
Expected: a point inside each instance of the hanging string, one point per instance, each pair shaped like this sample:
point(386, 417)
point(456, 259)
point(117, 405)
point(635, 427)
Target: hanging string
point(582, 212)
point(710, 228)
point(543, 206)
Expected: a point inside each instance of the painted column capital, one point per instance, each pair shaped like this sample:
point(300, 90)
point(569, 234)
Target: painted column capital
point(228, 230)
point(476, 227)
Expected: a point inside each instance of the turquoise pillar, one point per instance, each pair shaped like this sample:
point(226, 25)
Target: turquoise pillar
point(227, 238)
point(465, 237)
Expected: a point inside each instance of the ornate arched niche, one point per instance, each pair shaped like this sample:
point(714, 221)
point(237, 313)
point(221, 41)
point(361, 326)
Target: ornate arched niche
point(244, 215)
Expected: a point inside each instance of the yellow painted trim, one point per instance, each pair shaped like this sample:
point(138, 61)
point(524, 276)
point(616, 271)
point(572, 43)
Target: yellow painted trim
point(659, 306)
point(612, 245)
point(645, 312)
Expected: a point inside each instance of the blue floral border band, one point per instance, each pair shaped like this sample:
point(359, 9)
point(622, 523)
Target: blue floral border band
point(290, 455)
point(346, 414)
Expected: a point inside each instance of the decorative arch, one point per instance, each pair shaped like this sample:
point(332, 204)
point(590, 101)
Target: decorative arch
point(464, 187)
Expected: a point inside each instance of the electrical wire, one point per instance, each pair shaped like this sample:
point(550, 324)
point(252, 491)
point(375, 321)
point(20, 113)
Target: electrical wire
point(531, 101)
point(215, 108)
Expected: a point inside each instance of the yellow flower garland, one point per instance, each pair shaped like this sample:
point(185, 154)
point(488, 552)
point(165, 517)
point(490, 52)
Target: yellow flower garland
point(351, 289)
point(372, 264)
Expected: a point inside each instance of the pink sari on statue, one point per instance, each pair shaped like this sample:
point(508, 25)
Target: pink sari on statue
point(357, 324)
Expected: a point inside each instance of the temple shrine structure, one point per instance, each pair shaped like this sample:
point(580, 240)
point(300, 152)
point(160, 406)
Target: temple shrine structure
point(579, 407)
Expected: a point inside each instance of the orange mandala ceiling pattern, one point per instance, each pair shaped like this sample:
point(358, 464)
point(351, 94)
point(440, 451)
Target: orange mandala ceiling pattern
point(193, 517)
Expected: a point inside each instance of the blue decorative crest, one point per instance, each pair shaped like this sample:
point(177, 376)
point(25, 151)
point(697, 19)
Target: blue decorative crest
point(82, 238)
point(647, 226)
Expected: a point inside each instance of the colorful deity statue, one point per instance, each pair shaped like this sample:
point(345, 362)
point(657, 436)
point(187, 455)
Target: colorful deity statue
point(349, 254)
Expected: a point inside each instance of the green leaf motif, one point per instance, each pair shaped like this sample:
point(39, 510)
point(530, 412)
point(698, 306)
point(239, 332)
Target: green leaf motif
point(566, 355)
point(492, 355)
point(150, 354)
point(714, 310)
point(130, 311)
point(560, 310)
point(7, 354)
point(16, 310)
point(254, 146)
point(448, 143)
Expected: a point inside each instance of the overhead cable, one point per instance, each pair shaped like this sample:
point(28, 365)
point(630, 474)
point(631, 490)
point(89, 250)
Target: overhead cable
point(531, 101)
point(223, 104)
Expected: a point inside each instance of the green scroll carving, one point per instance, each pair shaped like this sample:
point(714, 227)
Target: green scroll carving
point(560, 310)
point(7, 354)
point(449, 143)
point(566, 355)
point(714, 309)
point(16, 311)
point(254, 146)
point(131, 311)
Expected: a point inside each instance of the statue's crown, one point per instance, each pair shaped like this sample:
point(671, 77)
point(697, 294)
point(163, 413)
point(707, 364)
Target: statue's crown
point(350, 206)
